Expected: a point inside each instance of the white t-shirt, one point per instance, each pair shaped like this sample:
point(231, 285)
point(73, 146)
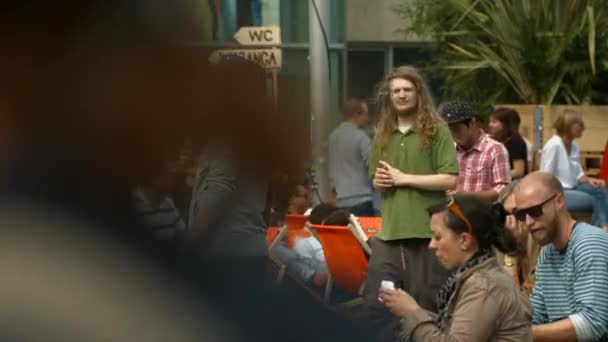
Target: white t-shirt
point(311, 249)
point(555, 159)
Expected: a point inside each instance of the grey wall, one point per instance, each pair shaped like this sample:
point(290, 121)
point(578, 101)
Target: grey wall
point(374, 20)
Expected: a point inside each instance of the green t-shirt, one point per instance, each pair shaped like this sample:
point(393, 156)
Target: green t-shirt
point(404, 209)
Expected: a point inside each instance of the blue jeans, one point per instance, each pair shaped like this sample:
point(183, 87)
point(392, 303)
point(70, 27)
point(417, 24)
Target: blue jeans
point(584, 197)
point(363, 209)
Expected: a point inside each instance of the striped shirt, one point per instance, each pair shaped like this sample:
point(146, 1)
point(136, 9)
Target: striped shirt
point(484, 166)
point(574, 282)
point(163, 220)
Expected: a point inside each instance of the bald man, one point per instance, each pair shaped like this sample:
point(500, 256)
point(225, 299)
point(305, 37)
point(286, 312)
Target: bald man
point(570, 297)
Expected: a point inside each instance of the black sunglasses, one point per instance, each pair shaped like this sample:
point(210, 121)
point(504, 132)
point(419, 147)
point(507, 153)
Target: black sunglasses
point(534, 211)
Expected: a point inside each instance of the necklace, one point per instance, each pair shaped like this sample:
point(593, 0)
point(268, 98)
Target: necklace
point(562, 251)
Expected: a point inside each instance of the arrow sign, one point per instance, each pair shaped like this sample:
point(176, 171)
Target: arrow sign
point(267, 58)
point(258, 35)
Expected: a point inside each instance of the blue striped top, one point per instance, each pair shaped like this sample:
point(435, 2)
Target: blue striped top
point(574, 281)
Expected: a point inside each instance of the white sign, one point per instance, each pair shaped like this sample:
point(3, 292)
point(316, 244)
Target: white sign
point(267, 58)
point(259, 35)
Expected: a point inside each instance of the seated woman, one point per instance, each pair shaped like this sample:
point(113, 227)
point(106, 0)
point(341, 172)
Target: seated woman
point(521, 264)
point(561, 157)
point(306, 260)
point(503, 127)
point(480, 301)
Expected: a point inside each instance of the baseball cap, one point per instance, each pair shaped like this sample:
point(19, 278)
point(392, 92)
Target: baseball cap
point(456, 111)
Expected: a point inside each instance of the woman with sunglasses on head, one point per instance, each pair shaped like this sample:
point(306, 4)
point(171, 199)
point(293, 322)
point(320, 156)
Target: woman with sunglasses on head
point(561, 157)
point(480, 301)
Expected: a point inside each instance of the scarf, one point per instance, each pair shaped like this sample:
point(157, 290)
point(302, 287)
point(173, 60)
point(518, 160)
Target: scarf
point(443, 297)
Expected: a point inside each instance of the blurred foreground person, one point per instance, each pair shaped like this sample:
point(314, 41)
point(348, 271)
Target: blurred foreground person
point(66, 278)
point(232, 176)
point(480, 301)
point(92, 92)
point(83, 114)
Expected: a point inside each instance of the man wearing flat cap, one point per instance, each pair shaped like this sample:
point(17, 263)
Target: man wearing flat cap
point(483, 162)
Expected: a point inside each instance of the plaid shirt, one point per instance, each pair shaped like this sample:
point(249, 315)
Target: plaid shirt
point(484, 166)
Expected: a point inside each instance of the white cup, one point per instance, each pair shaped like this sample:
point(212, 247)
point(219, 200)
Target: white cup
point(387, 284)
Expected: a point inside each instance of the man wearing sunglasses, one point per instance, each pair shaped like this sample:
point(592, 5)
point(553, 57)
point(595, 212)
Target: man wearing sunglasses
point(570, 297)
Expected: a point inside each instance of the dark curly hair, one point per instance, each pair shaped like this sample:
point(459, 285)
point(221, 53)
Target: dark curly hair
point(487, 222)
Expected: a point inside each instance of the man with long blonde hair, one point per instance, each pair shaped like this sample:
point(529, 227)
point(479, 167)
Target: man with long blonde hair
point(413, 162)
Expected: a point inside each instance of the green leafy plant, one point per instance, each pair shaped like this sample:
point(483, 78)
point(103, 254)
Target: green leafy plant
point(515, 51)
